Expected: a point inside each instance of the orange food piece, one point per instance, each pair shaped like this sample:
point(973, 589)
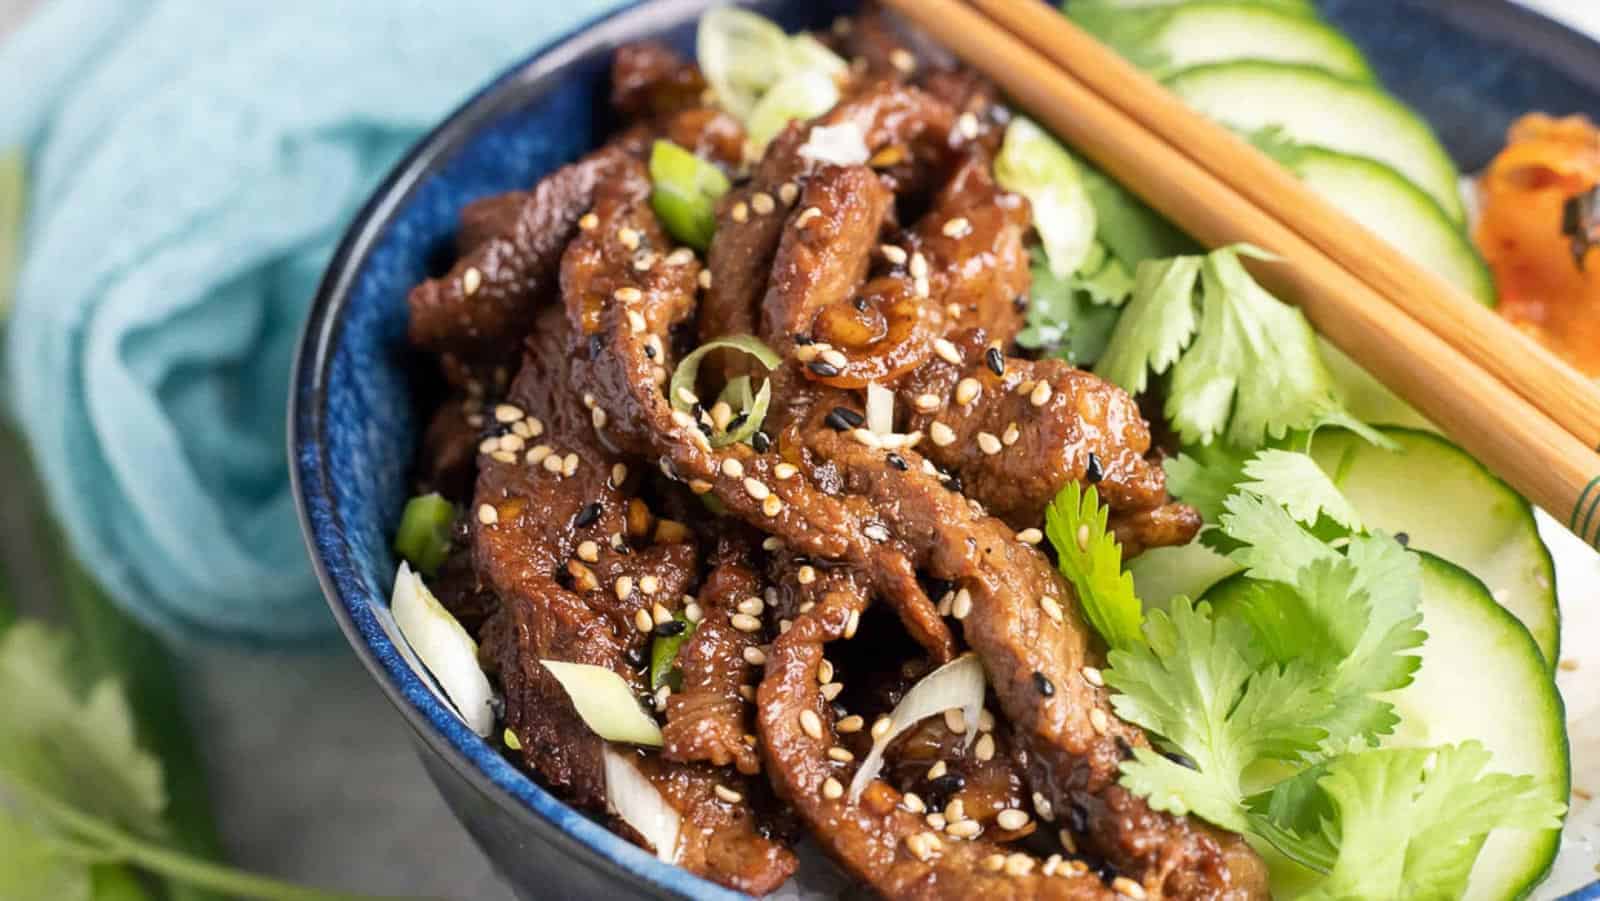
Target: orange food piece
point(1523, 193)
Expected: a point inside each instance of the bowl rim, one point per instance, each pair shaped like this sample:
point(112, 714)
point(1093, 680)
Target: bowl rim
point(472, 758)
point(437, 725)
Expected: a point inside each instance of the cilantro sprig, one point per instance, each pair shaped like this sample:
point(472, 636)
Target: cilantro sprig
point(1087, 553)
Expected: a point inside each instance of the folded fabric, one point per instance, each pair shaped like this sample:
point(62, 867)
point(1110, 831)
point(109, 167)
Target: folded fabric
point(190, 166)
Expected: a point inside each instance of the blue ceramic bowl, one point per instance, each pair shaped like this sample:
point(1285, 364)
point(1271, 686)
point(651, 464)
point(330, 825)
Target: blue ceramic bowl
point(1470, 66)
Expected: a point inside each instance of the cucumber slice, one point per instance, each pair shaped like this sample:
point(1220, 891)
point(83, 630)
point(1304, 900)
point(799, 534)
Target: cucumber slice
point(1482, 678)
point(1368, 399)
point(1448, 504)
point(1167, 39)
point(1161, 574)
point(1317, 109)
point(1394, 209)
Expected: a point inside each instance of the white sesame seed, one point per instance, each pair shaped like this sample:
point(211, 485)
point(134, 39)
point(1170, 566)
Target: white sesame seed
point(642, 620)
point(834, 358)
point(894, 254)
point(994, 863)
point(902, 59)
point(985, 720)
point(588, 551)
point(1042, 806)
point(806, 215)
point(619, 474)
point(840, 755)
point(875, 531)
point(635, 321)
point(744, 622)
point(761, 203)
point(756, 488)
point(850, 725)
point(785, 471)
point(691, 612)
point(967, 390)
point(1099, 720)
point(728, 794)
point(687, 396)
point(1083, 537)
point(682, 420)
point(680, 257)
point(881, 727)
point(984, 749)
point(1030, 536)
point(751, 606)
point(919, 265)
point(947, 351)
point(507, 413)
point(754, 656)
point(489, 445)
point(628, 237)
point(913, 802)
point(772, 543)
point(649, 584)
point(598, 417)
point(1093, 677)
point(644, 261)
point(955, 721)
point(553, 463)
point(1122, 885)
point(624, 587)
point(740, 212)
point(988, 443)
point(852, 623)
point(937, 770)
point(1050, 864)
point(629, 294)
point(961, 604)
point(772, 506)
point(956, 227)
point(942, 435)
point(1011, 819)
point(967, 125)
point(832, 789)
point(1011, 435)
point(936, 820)
point(866, 437)
point(953, 310)
point(1051, 608)
point(917, 844)
point(1040, 395)
point(805, 353)
point(569, 466)
point(831, 690)
point(927, 403)
point(810, 723)
point(1018, 864)
point(699, 486)
point(704, 278)
point(501, 456)
point(732, 468)
point(661, 696)
point(806, 575)
point(488, 515)
point(589, 222)
point(964, 829)
point(788, 192)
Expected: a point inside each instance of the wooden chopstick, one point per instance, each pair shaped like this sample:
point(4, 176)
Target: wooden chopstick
point(1510, 355)
point(1510, 435)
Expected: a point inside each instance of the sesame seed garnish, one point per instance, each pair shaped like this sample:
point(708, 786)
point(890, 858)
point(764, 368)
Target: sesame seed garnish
point(629, 294)
point(501, 456)
point(691, 611)
point(1030, 536)
point(852, 623)
point(834, 358)
point(751, 605)
point(772, 505)
point(772, 543)
point(761, 203)
point(942, 434)
point(967, 390)
point(1018, 864)
point(552, 463)
point(489, 445)
point(1050, 864)
point(850, 724)
point(832, 789)
point(756, 488)
point(806, 215)
point(659, 614)
point(1043, 684)
point(1122, 885)
point(956, 227)
point(589, 222)
point(642, 620)
point(728, 794)
point(996, 360)
point(867, 438)
point(919, 265)
point(947, 351)
point(917, 844)
point(840, 755)
point(881, 727)
point(810, 723)
point(588, 551)
point(961, 604)
point(926, 403)
point(964, 829)
point(744, 622)
point(488, 515)
point(1051, 607)
point(649, 584)
point(507, 413)
point(628, 237)
point(624, 587)
point(1012, 819)
point(875, 531)
point(1083, 537)
point(680, 257)
point(699, 486)
point(938, 769)
point(894, 254)
point(511, 443)
point(1093, 472)
point(704, 278)
point(831, 690)
point(842, 418)
point(1042, 806)
point(994, 863)
point(988, 443)
point(635, 320)
point(740, 212)
point(1067, 841)
point(732, 468)
point(748, 692)
point(823, 368)
point(955, 721)
point(754, 656)
point(1012, 433)
point(644, 261)
point(598, 417)
point(687, 396)
point(1099, 720)
point(1093, 677)
point(913, 802)
point(1040, 395)
point(682, 420)
point(902, 59)
point(984, 749)
point(788, 192)
point(967, 125)
point(569, 465)
point(785, 471)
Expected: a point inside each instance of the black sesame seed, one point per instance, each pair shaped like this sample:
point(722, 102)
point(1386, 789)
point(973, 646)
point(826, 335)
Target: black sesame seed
point(671, 627)
point(650, 351)
point(898, 462)
point(952, 481)
point(1404, 539)
point(1107, 873)
point(1094, 472)
point(860, 303)
point(1020, 302)
point(737, 421)
point(1043, 683)
point(1078, 817)
point(497, 707)
point(843, 419)
point(705, 429)
point(760, 442)
point(996, 360)
point(597, 343)
point(939, 790)
point(587, 515)
point(803, 339)
point(839, 710)
point(1180, 760)
point(1125, 748)
point(823, 368)
point(634, 656)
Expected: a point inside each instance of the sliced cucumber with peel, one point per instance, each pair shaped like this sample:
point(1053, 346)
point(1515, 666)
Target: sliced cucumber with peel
point(1482, 678)
point(1399, 212)
point(1368, 399)
point(1169, 38)
point(1448, 504)
point(1314, 108)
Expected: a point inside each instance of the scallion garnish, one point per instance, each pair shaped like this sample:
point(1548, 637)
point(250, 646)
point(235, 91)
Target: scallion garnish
point(754, 413)
point(683, 191)
point(664, 652)
point(424, 535)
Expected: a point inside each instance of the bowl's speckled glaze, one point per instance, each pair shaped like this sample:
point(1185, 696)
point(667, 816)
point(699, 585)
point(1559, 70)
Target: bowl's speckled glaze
point(1470, 66)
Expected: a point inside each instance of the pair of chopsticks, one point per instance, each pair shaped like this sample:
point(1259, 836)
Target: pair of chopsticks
point(1508, 401)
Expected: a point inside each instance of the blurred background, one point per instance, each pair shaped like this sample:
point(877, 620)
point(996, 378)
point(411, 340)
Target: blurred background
point(172, 176)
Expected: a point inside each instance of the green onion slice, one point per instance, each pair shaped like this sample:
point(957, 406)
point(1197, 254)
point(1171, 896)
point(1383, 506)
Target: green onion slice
point(683, 192)
point(804, 94)
point(664, 653)
point(1035, 165)
point(688, 372)
point(424, 535)
point(606, 703)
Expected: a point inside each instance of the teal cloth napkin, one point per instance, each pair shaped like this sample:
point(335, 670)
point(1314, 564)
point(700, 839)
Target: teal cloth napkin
point(190, 166)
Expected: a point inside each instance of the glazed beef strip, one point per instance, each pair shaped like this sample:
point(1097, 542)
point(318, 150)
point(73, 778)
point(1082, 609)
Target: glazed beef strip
point(972, 240)
point(1017, 431)
point(650, 79)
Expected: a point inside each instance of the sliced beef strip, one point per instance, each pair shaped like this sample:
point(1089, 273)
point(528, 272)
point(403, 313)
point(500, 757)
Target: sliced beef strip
point(649, 78)
point(709, 134)
point(457, 587)
point(485, 303)
point(709, 718)
point(1067, 738)
point(878, 839)
point(1077, 428)
point(972, 239)
point(450, 447)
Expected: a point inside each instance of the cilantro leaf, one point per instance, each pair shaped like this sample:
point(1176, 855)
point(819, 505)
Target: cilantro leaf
point(1296, 482)
point(1127, 226)
point(1157, 325)
point(1102, 278)
point(1065, 320)
point(1254, 370)
point(1088, 555)
point(1193, 685)
point(80, 750)
point(39, 864)
point(1270, 544)
point(1204, 477)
